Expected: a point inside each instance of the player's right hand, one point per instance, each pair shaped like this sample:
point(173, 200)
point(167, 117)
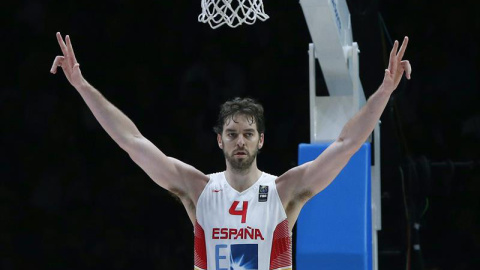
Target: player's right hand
point(68, 62)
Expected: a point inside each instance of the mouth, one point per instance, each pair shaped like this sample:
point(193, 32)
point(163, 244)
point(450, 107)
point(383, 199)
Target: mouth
point(240, 153)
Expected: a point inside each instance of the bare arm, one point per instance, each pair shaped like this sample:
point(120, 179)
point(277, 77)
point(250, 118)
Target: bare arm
point(169, 173)
point(301, 183)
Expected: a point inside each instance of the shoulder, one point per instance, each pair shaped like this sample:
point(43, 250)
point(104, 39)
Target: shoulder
point(216, 177)
point(289, 178)
point(289, 184)
point(268, 178)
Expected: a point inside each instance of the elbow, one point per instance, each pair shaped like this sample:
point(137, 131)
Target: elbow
point(349, 145)
point(127, 143)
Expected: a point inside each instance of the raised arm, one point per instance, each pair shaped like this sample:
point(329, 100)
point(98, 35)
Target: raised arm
point(301, 183)
point(169, 173)
point(116, 124)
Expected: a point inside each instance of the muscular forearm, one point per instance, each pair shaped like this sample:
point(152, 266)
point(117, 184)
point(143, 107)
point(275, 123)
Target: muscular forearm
point(116, 124)
point(357, 129)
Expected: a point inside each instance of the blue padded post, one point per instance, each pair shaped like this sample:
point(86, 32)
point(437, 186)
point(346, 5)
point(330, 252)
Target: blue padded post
point(334, 229)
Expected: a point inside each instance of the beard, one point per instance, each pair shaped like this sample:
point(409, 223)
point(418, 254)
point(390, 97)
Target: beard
point(241, 164)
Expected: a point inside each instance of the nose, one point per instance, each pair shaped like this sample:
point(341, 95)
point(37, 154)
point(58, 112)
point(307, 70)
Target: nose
point(241, 141)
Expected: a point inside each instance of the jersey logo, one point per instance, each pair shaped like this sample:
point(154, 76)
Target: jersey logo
point(263, 193)
point(244, 256)
point(216, 190)
point(236, 257)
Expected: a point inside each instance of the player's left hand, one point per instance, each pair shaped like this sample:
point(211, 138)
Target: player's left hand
point(397, 66)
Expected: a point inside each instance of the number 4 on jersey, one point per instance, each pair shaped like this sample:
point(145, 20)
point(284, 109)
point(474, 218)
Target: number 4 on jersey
point(233, 210)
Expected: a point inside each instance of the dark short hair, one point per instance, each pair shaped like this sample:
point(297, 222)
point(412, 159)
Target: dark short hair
point(245, 106)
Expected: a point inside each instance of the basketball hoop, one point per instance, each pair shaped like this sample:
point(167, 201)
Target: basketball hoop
point(219, 12)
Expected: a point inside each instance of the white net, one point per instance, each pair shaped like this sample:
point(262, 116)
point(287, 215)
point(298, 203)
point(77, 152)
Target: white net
point(231, 12)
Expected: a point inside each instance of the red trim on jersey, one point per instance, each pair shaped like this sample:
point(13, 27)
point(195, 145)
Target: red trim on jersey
point(281, 255)
point(200, 256)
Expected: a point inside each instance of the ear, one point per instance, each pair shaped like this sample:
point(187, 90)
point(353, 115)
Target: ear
point(219, 141)
point(261, 140)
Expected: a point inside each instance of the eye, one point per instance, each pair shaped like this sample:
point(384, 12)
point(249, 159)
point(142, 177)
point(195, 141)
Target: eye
point(248, 135)
point(231, 135)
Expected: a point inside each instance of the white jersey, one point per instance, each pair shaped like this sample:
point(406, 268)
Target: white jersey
point(241, 230)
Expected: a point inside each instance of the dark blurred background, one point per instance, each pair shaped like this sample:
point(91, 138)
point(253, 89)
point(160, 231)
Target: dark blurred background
point(71, 199)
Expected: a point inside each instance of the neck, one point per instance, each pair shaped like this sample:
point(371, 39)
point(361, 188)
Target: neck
point(241, 180)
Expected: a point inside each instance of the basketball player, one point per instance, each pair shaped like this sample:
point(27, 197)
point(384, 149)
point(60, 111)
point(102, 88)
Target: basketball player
point(243, 217)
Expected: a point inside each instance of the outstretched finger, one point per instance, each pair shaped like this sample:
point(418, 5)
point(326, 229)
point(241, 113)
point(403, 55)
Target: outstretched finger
point(392, 64)
point(71, 54)
point(62, 44)
point(402, 48)
point(57, 63)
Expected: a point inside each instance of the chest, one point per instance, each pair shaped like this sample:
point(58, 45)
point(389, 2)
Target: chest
point(224, 208)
